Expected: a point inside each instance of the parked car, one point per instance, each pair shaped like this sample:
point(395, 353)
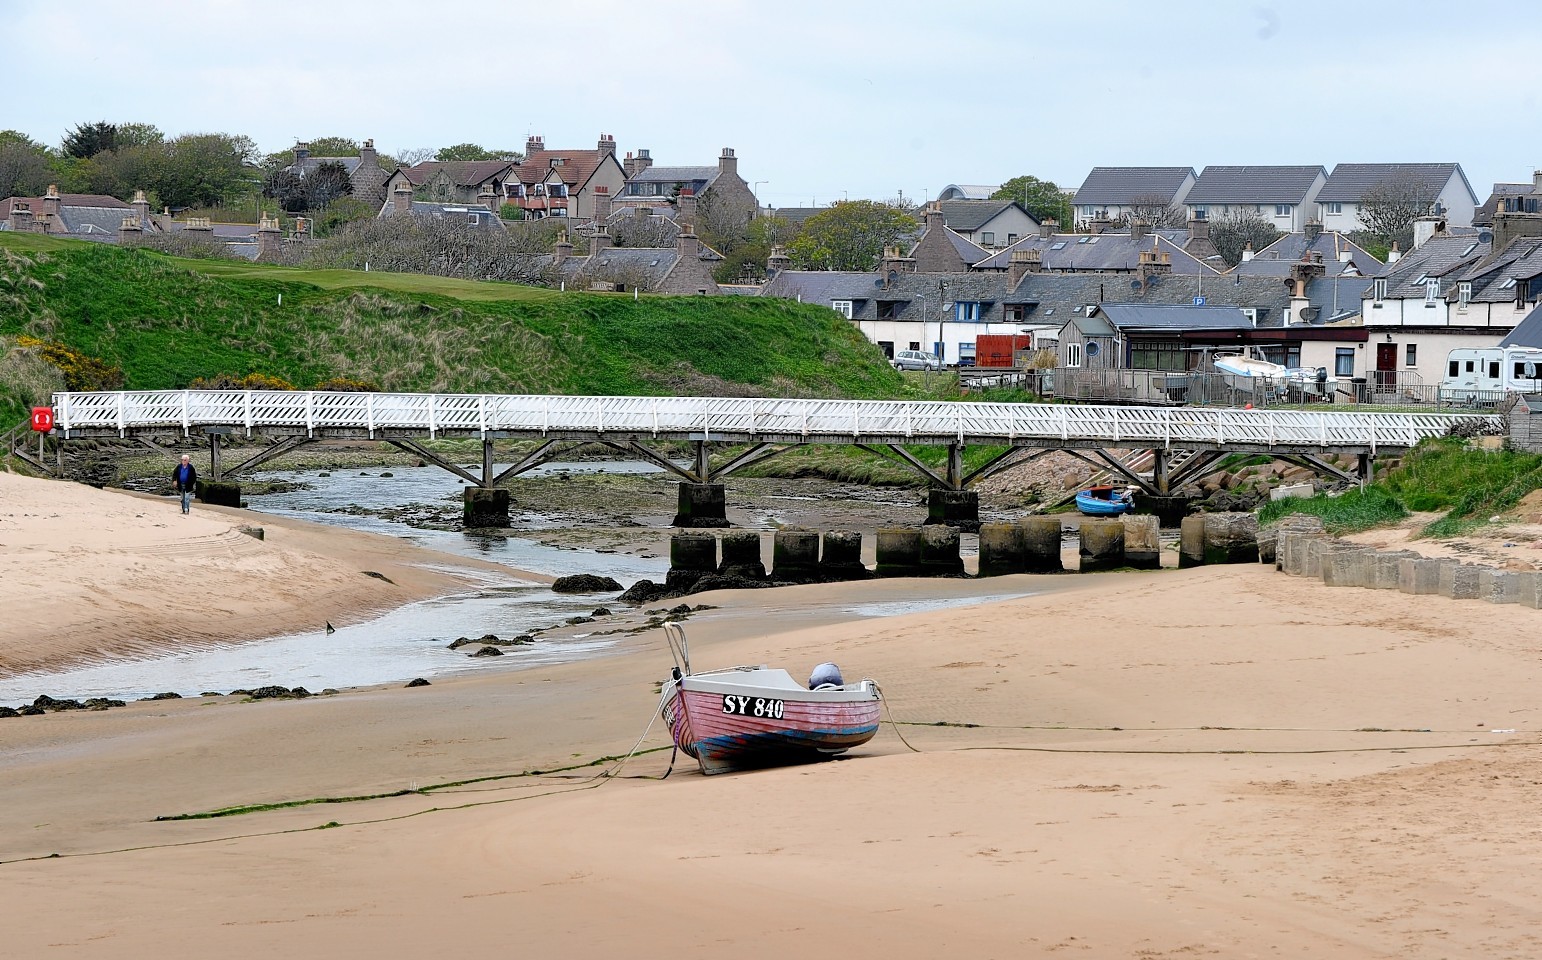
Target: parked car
point(916, 360)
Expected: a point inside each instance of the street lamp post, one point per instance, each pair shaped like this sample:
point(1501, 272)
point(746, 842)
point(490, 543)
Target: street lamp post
point(1202, 261)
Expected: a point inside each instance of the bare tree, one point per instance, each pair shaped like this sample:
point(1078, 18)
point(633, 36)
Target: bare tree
point(1388, 209)
point(1232, 232)
point(440, 246)
point(639, 231)
point(1154, 211)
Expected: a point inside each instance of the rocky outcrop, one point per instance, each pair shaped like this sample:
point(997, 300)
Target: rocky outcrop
point(585, 583)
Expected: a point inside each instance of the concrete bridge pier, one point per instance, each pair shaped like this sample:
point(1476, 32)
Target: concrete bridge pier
point(484, 507)
point(215, 489)
point(701, 505)
point(953, 508)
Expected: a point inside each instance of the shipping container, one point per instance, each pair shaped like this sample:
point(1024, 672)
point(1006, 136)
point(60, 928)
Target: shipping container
point(1000, 349)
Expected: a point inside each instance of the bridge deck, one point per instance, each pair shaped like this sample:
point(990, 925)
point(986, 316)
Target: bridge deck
point(729, 420)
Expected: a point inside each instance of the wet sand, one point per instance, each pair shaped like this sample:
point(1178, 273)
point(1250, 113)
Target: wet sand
point(1213, 762)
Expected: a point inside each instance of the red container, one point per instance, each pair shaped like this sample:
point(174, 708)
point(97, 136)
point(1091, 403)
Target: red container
point(999, 349)
point(42, 419)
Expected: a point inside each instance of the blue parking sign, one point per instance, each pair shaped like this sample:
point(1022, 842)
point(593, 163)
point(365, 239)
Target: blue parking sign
point(1199, 301)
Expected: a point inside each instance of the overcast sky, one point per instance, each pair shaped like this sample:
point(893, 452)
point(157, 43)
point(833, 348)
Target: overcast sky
point(821, 100)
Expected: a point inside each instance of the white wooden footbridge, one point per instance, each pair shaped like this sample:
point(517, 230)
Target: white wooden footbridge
point(1162, 446)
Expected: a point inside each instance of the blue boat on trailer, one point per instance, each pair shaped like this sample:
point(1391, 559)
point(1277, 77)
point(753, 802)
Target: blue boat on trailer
point(1105, 501)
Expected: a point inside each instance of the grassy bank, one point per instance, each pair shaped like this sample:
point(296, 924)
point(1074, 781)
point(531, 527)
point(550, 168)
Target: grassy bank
point(1471, 486)
point(165, 322)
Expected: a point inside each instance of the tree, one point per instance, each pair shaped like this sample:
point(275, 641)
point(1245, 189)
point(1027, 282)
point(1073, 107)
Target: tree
point(1388, 209)
point(204, 169)
point(412, 156)
point(471, 151)
point(86, 140)
point(24, 167)
point(1041, 198)
point(284, 187)
point(139, 135)
point(849, 235)
point(747, 262)
point(334, 147)
point(1232, 232)
point(1154, 211)
point(328, 182)
point(120, 172)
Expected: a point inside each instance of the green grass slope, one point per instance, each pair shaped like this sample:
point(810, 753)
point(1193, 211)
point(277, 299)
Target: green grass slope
point(166, 321)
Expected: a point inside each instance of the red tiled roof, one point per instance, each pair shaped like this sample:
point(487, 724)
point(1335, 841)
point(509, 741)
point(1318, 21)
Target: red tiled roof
point(65, 200)
point(576, 167)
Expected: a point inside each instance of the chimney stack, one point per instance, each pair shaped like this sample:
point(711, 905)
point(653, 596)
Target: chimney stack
point(637, 164)
point(607, 144)
point(689, 245)
point(269, 240)
point(21, 216)
point(401, 197)
point(1313, 230)
point(1199, 228)
point(1138, 229)
point(51, 201)
point(602, 202)
point(895, 262)
point(1247, 251)
point(199, 225)
point(1394, 254)
point(564, 249)
point(599, 240)
point(1024, 262)
point(1152, 263)
point(934, 219)
point(302, 152)
point(1048, 227)
point(534, 145)
point(129, 231)
point(1099, 223)
point(777, 262)
point(685, 206)
point(488, 198)
point(141, 209)
point(727, 163)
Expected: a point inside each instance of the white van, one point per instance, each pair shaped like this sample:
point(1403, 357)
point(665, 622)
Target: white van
point(1475, 374)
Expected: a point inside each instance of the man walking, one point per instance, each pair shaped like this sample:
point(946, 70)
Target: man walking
point(185, 477)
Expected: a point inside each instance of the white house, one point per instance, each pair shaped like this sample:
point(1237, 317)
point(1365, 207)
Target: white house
point(989, 224)
point(1340, 200)
point(1110, 193)
point(1283, 196)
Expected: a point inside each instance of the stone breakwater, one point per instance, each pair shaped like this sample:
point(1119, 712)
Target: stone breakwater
point(1312, 553)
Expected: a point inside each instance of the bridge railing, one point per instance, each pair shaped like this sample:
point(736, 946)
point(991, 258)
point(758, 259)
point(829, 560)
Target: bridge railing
point(742, 418)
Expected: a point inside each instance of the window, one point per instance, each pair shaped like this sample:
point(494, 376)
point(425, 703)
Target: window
point(1451, 369)
point(1059, 245)
point(1431, 290)
point(1463, 294)
point(1493, 369)
point(1011, 239)
point(1073, 354)
point(1157, 355)
point(1252, 314)
point(988, 239)
point(842, 307)
point(1379, 289)
point(1333, 209)
point(1283, 209)
point(1014, 312)
point(1344, 362)
point(967, 311)
point(888, 309)
point(914, 345)
point(966, 353)
point(887, 346)
point(1200, 212)
point(1411, 355)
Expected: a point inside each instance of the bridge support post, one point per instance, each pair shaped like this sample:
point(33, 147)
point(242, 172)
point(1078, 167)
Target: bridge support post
point(1366, 468)
point(955, 508)
point(484, 507)
point(701, 505)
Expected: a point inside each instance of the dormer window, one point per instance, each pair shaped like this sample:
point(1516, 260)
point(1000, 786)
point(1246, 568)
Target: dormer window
point(1463, 294)
point(1431, 289)
point(1379, 289)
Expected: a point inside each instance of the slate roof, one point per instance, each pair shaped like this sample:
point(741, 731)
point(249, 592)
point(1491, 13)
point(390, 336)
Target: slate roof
point(65, 200)
point(1254, 184)
point(1143, 317)
point(1277, 258)
point(1337, 298)
point(970, 215)
point(969, 251)
point(465, 173)
point(1484, 214)
point(797, 215)
point(1053, 298)
point(306, 167)
point(1521, 261)
point(486, 218)
point(1349, 181)
point(1527, 333)
point(1105, 252)
point(674, 175)
point(1443, 256)
point(1125, 185)
point(223, 231)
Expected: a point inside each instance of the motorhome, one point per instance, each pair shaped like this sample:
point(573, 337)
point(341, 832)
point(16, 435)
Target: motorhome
point(1485, 374)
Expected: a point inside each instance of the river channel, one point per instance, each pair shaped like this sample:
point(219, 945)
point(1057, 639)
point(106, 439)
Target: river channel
point(411, 641)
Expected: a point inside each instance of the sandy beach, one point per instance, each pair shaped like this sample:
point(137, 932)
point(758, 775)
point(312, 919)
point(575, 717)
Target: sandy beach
point(1215, 762)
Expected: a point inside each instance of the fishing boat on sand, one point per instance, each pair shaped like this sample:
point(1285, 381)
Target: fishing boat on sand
point(757, 716)
point(1105, 501)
